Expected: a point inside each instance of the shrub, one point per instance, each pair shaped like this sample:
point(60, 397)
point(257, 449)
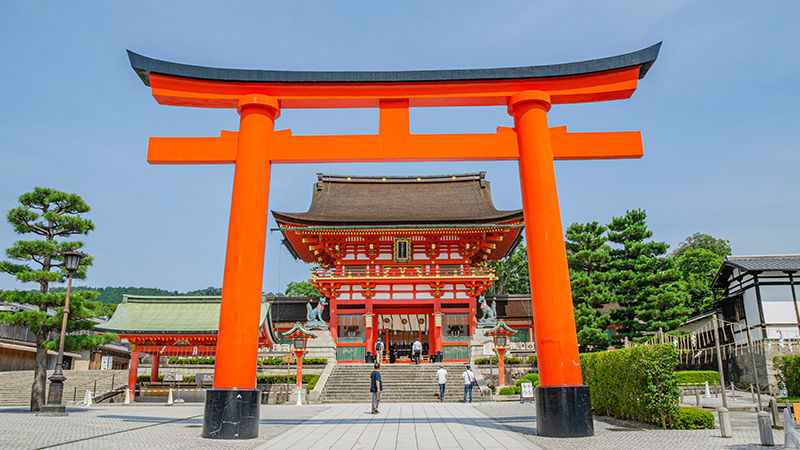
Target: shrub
point(693, 419)
point(697, 376)
point(311, 380)
point(508, 390)
point(788, 373)
point(495, 360)
point(146, 379)
point(531, 360)
point(529, 378)
point(279, 361)
point(192, 360)
point(635, 383)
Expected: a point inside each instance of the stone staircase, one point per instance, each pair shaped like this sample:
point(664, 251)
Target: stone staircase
point(349, 383)
point(15, 386)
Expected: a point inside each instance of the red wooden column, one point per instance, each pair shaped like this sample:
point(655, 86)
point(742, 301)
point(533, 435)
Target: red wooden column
point(154, 368)
point(133, 368)
point(561, 387)
point(369, 331)
point(237, 343)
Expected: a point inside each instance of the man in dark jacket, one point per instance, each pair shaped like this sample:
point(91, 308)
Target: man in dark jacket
point(375, 386)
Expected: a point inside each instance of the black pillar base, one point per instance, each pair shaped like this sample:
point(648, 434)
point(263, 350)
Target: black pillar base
point(231, 414)
point(52, 410)
point(369, 358)
point(563, 411)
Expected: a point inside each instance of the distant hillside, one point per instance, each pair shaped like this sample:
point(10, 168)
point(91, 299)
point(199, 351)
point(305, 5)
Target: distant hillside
point(111, 294)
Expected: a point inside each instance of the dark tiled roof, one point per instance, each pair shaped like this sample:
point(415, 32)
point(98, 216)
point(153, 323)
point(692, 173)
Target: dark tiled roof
point(765, 262)
point(440, 199)
point(755, 263)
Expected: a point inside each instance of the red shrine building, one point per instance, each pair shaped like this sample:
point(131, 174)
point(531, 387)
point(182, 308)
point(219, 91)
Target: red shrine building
point(402, 258)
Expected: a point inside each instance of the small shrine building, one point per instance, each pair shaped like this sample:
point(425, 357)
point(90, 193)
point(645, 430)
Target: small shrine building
point(402, 258)
point(174, 326)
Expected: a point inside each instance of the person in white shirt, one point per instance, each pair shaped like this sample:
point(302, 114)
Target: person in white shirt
point(416, 350)
point(379, 351)
point(441, 375)
point(469, 378)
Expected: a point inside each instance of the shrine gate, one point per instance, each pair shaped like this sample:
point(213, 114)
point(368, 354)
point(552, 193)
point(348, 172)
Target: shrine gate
point(562, 401)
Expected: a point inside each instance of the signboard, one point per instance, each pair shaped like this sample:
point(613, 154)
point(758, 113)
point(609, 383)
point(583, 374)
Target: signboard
point(106, 362)
point(204, 378)
point(169, 377)
point(526, 391)
point(289, 359)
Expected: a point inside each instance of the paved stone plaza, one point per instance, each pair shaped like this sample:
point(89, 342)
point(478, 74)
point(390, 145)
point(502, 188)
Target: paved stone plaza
point(399, 425)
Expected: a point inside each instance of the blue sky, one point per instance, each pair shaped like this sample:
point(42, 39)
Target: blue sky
point(718, 113)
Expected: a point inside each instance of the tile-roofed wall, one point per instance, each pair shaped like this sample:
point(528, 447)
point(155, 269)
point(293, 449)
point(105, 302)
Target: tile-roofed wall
point(765, 262)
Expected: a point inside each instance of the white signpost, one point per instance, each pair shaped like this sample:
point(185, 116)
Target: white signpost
point(526, 392)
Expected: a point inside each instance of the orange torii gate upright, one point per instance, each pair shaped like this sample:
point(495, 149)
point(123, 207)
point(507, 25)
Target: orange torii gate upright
point(562, 401)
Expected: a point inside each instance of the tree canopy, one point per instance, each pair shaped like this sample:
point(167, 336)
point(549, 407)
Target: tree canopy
point(54, 216)
point(302, 289)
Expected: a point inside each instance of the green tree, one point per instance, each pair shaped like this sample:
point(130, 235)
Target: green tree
point(645, 283)
point(49, 214)
point(697, 267)
point(302, 289)
point(720, 247)
point(588, 257)
point(512, 273)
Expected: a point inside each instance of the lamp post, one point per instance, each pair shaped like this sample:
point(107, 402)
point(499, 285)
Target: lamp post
point(500, 333)
point(72, 260)
point(299, 336)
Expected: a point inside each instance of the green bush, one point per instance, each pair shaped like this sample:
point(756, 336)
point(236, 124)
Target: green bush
point(508, 390)
point(311, 380)
point(529, 378)
point(192, 360)
point(693, 419)
point(531, 360)
point(788, 373)
point(697, 376)
point(146, 379)
point(635, 383)
point(495, 360)
point(279, 361)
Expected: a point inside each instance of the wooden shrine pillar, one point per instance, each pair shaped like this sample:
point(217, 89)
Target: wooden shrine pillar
point(561, 386)
point(154, 367)
point(133, 368)
point(237, 342)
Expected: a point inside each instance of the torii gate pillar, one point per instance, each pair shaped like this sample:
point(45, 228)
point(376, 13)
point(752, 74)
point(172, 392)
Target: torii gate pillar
point(562, 402)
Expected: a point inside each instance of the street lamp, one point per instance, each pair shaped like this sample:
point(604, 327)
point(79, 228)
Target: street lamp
point(72, 260)
point(501, 332)
point(299, 336)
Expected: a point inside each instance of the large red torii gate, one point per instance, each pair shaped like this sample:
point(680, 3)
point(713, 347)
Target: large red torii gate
point(562, 402)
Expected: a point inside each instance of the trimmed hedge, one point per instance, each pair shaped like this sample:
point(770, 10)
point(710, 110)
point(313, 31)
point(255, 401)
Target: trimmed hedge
point(788, 373)
point(693, 419)
point(146, 379)
point(635, 383)
point(529, 378)
point(264, 362)
point(311, 380)
point(508, 390)
point(531, 360)
point(495, 360)
point(697, 376)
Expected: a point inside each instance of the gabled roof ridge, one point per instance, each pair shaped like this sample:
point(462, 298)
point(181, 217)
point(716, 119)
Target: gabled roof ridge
point(443, 178)
point(736, 257)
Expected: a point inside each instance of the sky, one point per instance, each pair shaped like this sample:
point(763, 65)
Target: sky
point(717, 113)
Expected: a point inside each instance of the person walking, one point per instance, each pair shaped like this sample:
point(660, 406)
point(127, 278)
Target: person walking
point(379, 351)
point(376, 386)
point(416, 348)
point(441, 375)
point(469, 381)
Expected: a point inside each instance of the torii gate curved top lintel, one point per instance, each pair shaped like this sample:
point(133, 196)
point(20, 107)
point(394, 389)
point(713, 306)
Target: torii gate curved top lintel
point(260, 95)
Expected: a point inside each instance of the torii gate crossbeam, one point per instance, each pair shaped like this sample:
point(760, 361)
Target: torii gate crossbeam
point(562, 401)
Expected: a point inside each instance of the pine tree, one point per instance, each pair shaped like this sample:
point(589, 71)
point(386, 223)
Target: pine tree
point(645, 283)
point(588, 257)
point(52, 215)
point(512, 273)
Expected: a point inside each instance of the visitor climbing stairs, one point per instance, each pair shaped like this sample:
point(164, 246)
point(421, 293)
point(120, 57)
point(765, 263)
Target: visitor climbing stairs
point(349, 383)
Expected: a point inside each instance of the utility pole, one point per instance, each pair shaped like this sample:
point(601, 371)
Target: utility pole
point(719, 362)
